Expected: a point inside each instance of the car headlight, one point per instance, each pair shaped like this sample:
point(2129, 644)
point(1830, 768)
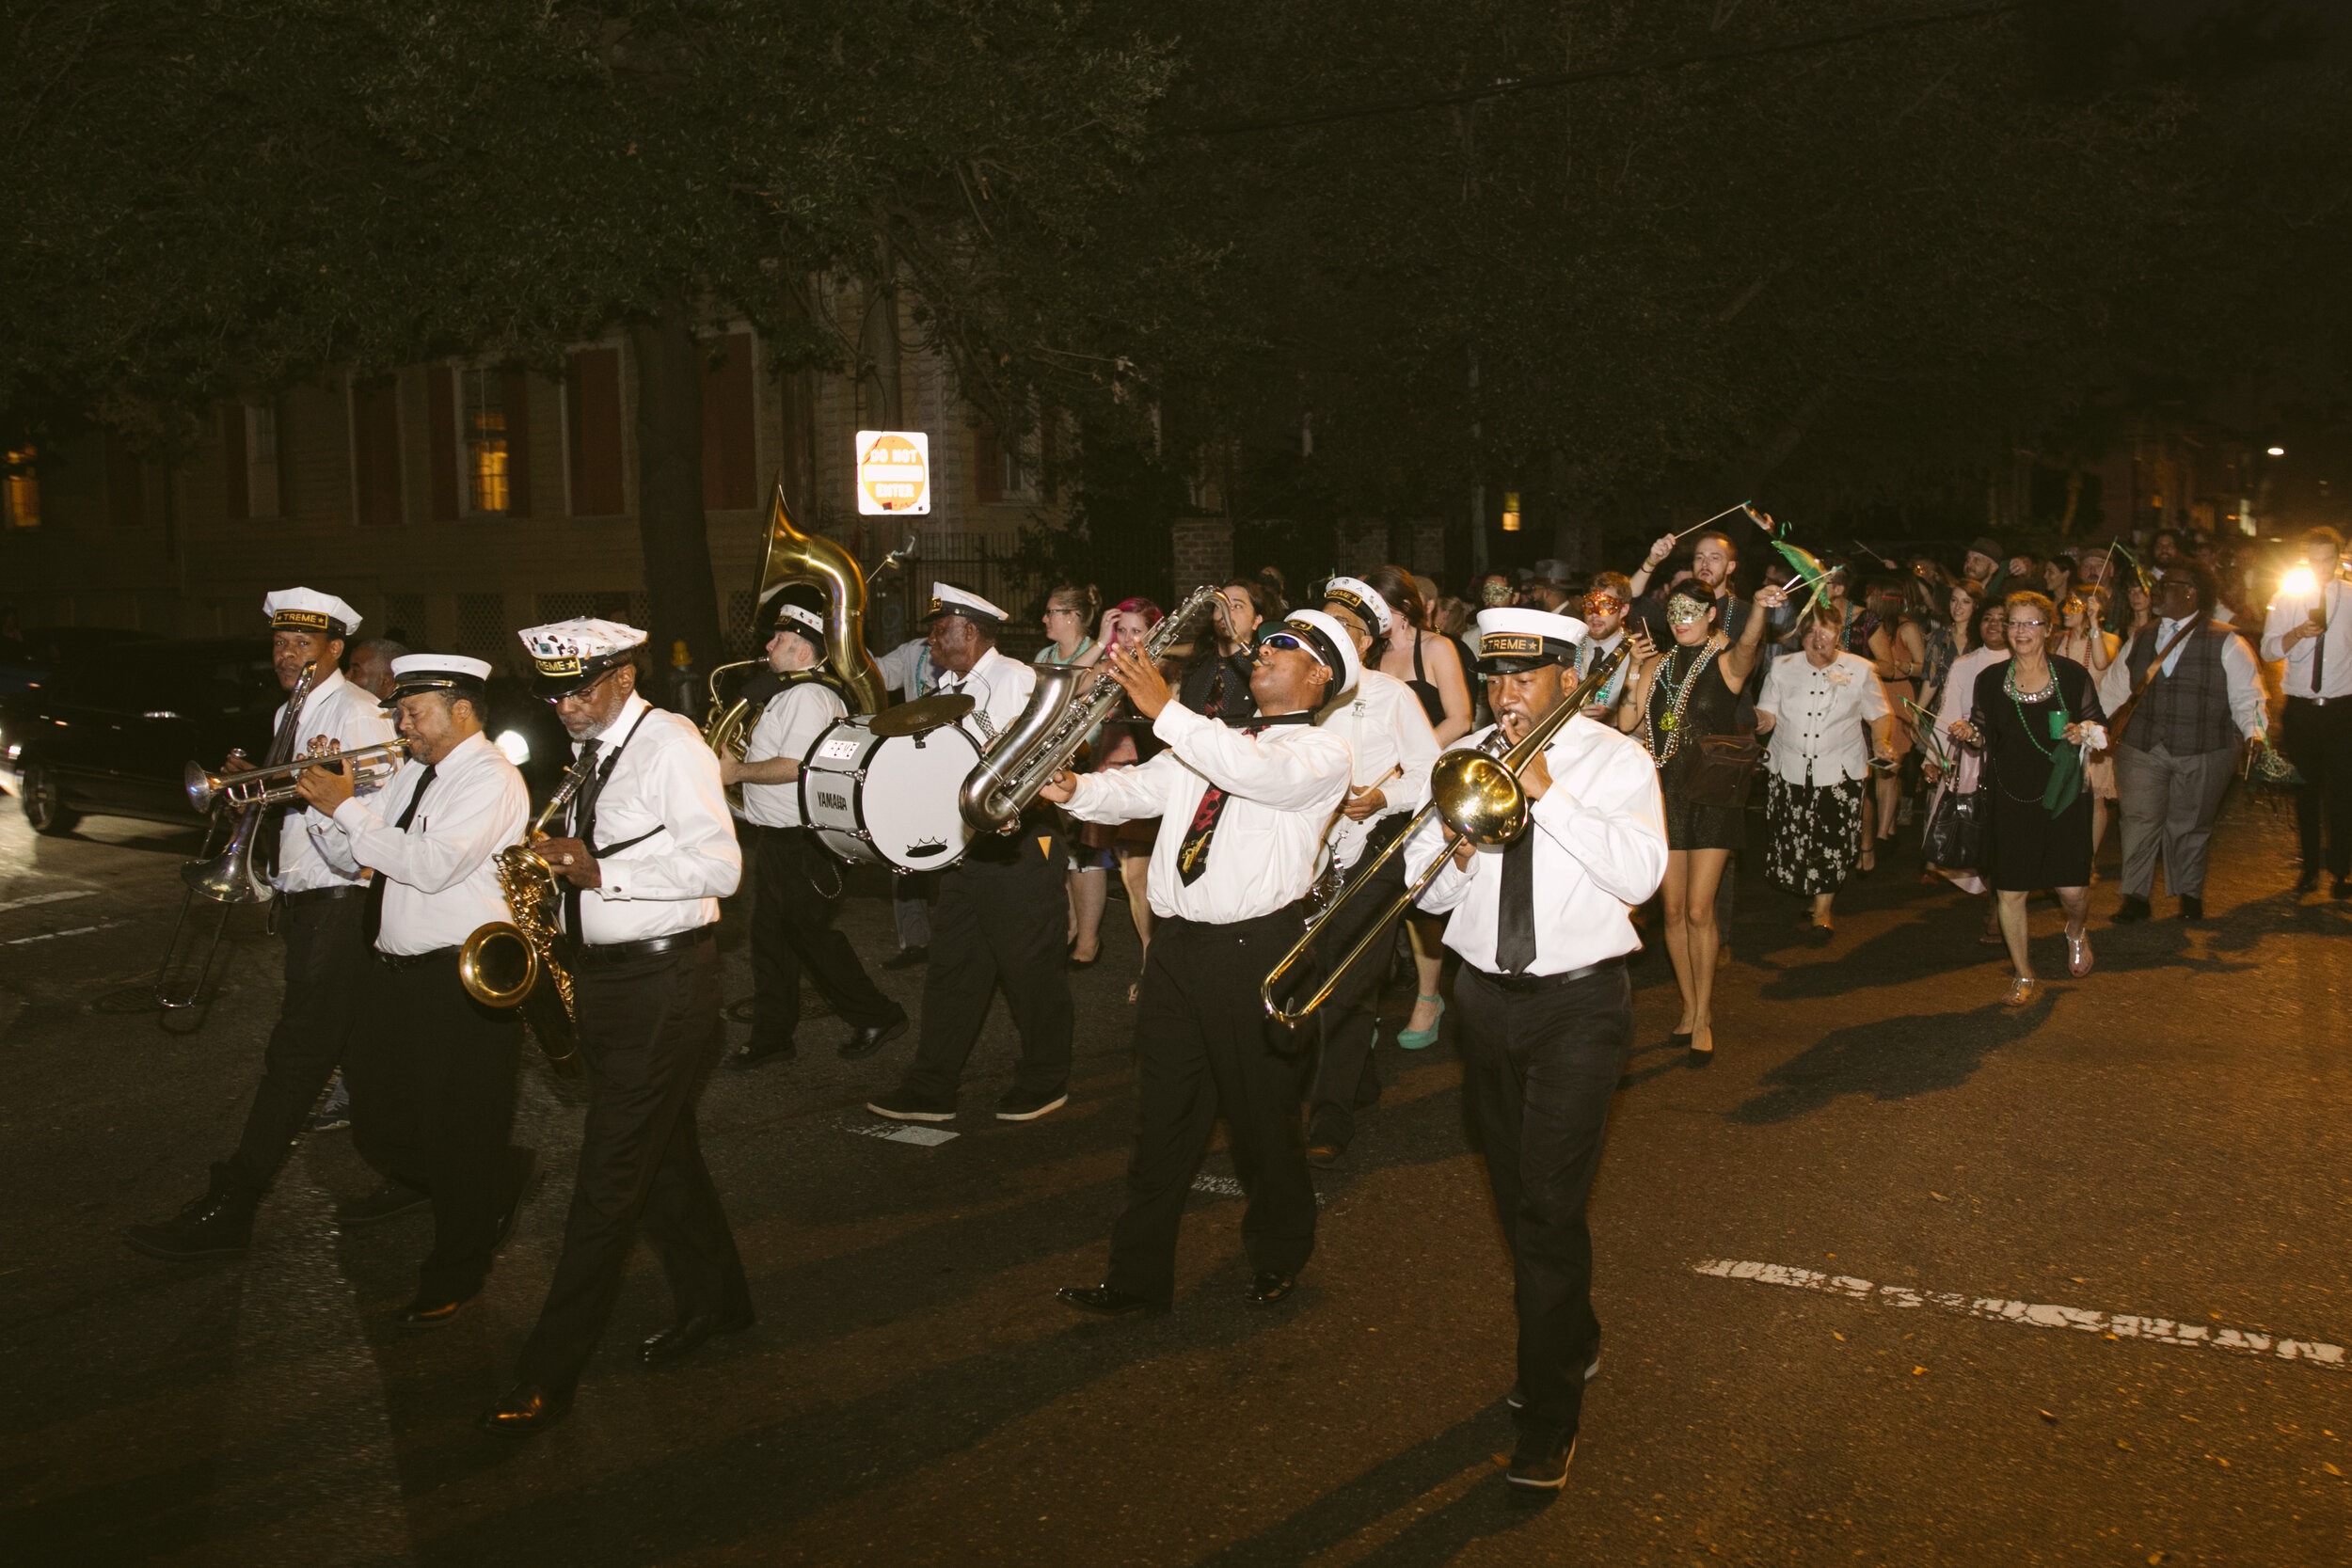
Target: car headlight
point(515, 745)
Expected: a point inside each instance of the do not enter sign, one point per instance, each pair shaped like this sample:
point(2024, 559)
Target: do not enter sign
point(893, 471)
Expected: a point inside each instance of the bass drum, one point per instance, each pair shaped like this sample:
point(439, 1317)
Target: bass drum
point(889, 799)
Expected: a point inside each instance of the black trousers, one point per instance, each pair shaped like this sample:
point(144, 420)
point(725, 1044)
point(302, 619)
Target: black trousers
point(1204, 1047)
point(432, 1076)
point(1539, 1068)
point(2317, 739)
point(326, 965)
point(799, 891)
point(1003, 919)
point(649, 1033)
point(1345, 1079)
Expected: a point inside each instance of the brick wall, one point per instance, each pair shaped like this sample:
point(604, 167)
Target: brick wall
point(1203, 552)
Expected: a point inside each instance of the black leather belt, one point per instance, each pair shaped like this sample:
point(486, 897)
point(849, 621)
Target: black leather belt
point(606, 955)
point(319, 896)
point(416, 960)
point(1549, 982)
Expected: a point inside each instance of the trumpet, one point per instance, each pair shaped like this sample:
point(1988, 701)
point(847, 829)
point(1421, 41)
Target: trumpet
point(276, 784)
point(1475, 791)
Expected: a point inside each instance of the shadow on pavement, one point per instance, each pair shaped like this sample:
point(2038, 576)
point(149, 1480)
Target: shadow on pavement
point(1891, 1058)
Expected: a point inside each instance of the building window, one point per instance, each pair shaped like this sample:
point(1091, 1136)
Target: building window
point(730, 430)
point(1004, 467)
point(249, 459)
point(19, 497)
point(485, 430)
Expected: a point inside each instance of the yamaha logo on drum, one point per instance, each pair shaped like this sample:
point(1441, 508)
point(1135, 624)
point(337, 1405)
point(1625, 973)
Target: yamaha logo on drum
point(830, 802)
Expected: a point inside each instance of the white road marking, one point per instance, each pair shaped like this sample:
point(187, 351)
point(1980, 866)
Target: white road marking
point(901, 1133)
point(1225, 1186)
point(70, 931)
point(47, 898)
point(2030, 1314)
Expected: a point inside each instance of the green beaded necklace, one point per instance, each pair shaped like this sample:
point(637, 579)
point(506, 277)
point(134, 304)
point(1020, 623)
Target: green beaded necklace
point(2058, 720)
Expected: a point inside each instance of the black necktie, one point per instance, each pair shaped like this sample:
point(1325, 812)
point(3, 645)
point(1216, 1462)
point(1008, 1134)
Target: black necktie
point(2319, 647)
point(584, 828)
point(1515, 932)
point(372, 922)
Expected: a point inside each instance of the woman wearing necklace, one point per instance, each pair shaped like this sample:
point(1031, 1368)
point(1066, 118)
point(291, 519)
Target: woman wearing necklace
point(1829, 715)
point(1674, 700)
point(2032, 718)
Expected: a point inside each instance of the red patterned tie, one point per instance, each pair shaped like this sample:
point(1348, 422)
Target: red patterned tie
point(1193, 858)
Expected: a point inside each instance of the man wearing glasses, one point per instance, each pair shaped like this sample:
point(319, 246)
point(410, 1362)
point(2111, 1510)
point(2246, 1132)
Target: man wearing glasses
point(648, 850)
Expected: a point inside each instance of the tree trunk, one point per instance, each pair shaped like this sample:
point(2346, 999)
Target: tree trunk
point(878, 346)
point(682, 600)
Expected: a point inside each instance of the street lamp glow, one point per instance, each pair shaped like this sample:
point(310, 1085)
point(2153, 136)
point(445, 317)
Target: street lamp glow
point(2277, 451)
point(2300, 584)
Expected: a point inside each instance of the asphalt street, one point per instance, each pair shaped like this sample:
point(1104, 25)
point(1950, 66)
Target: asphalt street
point(1903, 1278)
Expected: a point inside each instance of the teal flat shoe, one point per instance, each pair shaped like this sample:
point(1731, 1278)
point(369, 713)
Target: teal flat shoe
point(1421, 1040)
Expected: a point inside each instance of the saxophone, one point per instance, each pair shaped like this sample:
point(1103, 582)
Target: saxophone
point(1050, 730)
point(514, 963)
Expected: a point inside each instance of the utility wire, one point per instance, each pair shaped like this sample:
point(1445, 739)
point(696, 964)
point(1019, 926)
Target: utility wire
point(1594, 73)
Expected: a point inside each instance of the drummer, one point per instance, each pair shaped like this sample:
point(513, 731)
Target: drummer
point(1003, 909)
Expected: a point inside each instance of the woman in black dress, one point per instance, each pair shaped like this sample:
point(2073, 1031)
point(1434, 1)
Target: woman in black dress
point(2032, 716)
point(1676, 698)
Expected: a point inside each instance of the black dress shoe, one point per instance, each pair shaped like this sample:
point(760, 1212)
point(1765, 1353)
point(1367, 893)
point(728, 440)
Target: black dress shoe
point(1267, 1289)
point(908, 958)
point(524, 1409)
point(392, 1198)
point(2308, 882)
point(2192, 907)
point(2133, 908)
point(1540, 1463)
point(219, 1224)
point(865, 1042)
point(2343, 889)
point(520, 1163)
point(1322, 1156)
point(760, 1053)
point(1105, 1302)
point(424, 1313)
point(688, 1334)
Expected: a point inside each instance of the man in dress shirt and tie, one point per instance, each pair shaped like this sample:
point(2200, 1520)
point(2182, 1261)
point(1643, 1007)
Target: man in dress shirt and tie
point(1004, 908)
point(1242, 811)
point(800, 885)
point(319, 910)
point(2310, 630)
point(432, 1071)
point(2200, 694)
point(648, 850)
point(1387, 734)
point(1605, 604)
point(1543, 927)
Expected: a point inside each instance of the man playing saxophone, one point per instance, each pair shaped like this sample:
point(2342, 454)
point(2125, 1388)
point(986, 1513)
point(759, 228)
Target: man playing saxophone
point(1003, 908)
point(432, 1071)
point(648, 850)
point(1542, 925)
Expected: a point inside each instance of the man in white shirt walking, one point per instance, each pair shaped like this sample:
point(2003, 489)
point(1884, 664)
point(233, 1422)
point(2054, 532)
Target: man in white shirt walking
point(1543, 925)
point(2310, 630)
point(1242, 811)
point(800, 885)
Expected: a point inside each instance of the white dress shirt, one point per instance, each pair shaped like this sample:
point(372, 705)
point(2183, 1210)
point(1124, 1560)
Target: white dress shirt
point(1281, 785)
point(908, 670)
point(2285, 615)
point(1387, 733)
point(788, 727)
point(1590, 653)
point(663, 813)
point(441, 887)
point(1818, 717)
point(1600, 849)
point(999, 687)
point(349, 718)
point(2240, 675)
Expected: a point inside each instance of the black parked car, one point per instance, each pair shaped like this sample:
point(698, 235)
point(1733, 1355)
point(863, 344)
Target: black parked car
point(111, 728)
point(26, 662)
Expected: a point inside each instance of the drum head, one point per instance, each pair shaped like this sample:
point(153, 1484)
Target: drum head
point(907, 800)
point(924, 713)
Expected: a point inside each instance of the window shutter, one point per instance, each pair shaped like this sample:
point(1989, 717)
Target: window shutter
point(988, 464)
point(232, 466)
point(515, 398)
point(376, 441)
point(596, 432)
point(440, 418)
point(729, 452)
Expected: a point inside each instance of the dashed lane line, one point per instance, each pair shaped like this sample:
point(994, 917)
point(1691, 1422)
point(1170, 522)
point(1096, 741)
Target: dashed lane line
point(2034, 1314)
point(70, 931)
point(28, 902)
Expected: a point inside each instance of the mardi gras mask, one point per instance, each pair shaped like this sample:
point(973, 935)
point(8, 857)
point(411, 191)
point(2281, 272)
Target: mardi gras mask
point(1686, 612)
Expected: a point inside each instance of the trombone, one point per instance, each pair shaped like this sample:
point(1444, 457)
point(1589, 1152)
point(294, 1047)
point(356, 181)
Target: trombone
point(1475, 791)
point(276, 784)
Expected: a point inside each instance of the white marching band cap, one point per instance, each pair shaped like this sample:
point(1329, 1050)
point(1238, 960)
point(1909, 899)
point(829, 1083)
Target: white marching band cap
point(1325, 641)
point(456, 673)
point(1512, 639)
point(1364, 599)
point(308, 610)
point(948, 599)
point(568, 656)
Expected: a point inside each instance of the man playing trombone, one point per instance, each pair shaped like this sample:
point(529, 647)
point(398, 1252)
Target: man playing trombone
point(1542, 925)
point(319, 910)
point(1242, 811)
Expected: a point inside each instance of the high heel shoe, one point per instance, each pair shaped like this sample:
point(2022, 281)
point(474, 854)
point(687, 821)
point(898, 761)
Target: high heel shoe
point(1705, 1057)
point(1421, 1040)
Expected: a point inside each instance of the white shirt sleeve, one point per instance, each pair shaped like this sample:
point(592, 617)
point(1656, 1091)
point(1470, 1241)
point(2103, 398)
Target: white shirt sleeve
point(1125, 794)
point(696, 855)
point(467, 826)
point(1417, 753)
point(1616, 830)
point(1873, 690)
point(2244, 679)
point(791, 722)
point(1290, 777)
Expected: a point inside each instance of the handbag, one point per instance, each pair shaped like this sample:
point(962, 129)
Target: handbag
point(1954, 840)
point(1723, 770)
